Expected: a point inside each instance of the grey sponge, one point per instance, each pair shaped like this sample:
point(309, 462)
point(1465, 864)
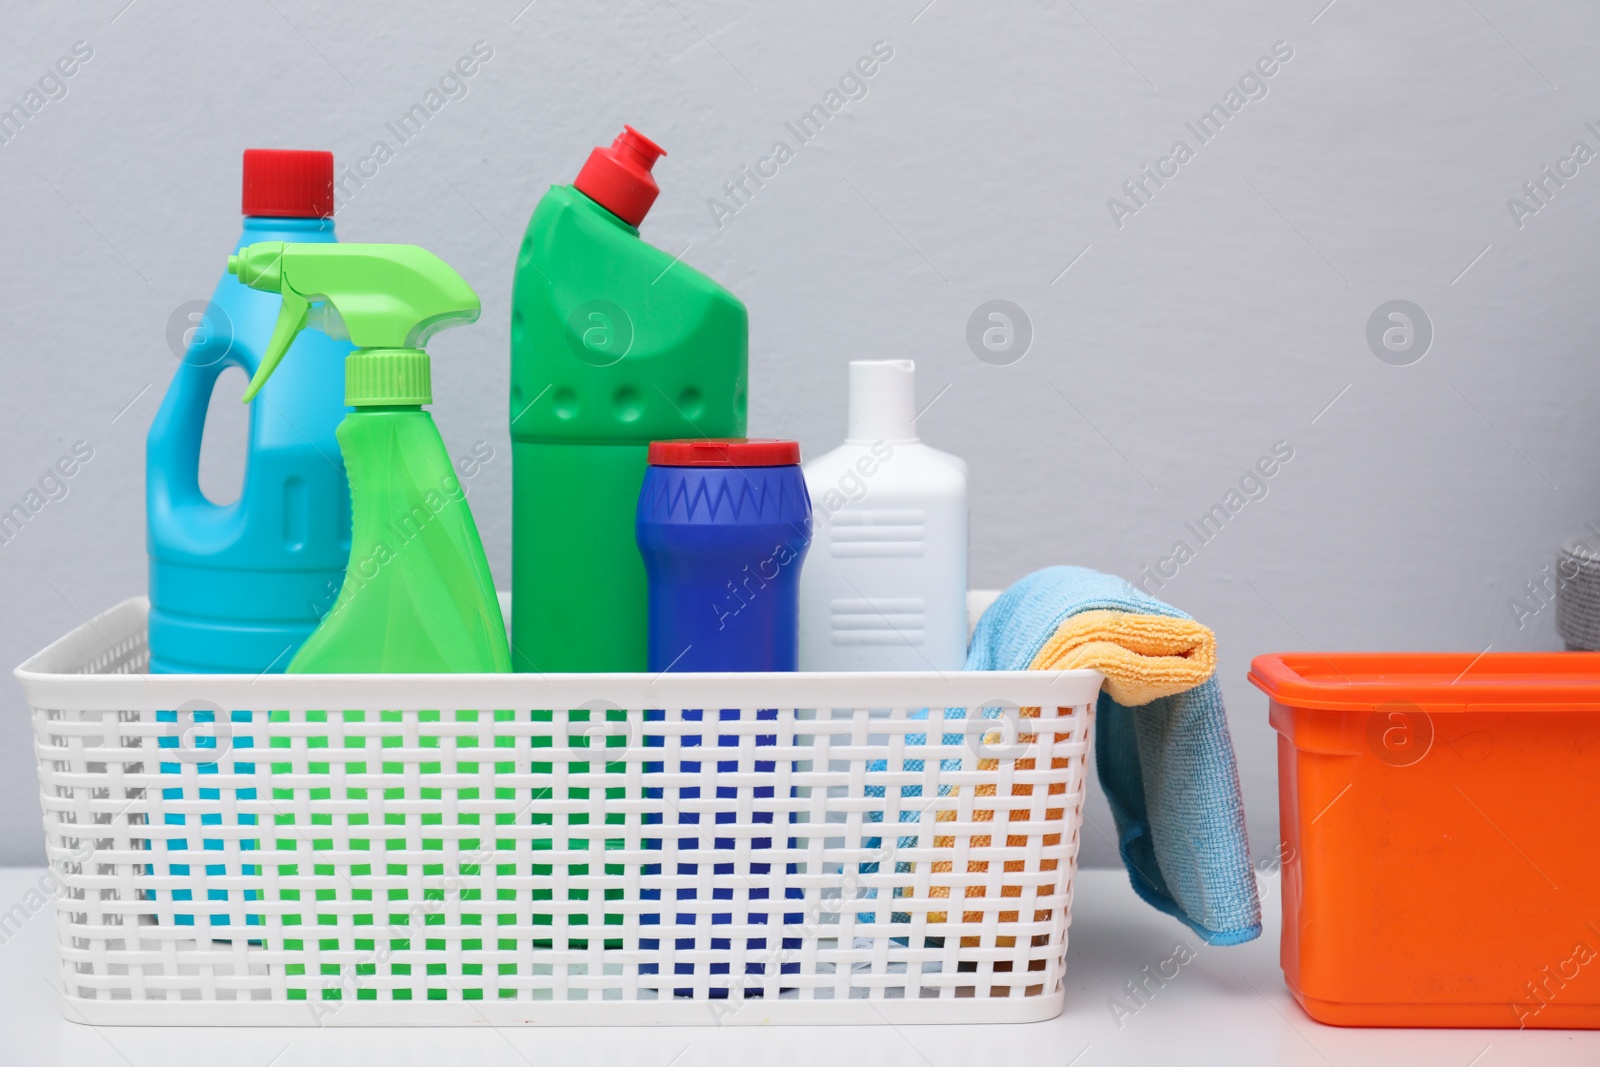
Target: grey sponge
point(1578, 594)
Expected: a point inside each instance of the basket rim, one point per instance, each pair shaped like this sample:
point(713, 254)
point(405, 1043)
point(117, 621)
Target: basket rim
point(48, 680)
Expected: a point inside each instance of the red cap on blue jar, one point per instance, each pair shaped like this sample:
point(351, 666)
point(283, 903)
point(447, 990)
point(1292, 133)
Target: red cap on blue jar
point(725, 452)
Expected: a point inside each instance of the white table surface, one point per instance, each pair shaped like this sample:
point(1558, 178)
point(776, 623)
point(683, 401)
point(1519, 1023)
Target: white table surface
point(1228, 1006)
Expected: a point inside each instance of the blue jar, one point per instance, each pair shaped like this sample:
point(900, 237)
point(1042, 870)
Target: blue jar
point(723, 527)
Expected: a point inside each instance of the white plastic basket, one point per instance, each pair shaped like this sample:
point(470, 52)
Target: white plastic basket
point(438, 850)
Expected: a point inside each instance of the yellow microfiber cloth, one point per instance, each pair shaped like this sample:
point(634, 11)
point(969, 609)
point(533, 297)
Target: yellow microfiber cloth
point(1144, 657)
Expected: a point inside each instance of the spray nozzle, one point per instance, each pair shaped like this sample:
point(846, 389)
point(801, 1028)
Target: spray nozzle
point(390, 298)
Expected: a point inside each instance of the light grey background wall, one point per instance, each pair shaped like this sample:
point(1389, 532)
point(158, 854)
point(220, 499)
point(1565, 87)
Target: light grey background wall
point(1175, 339)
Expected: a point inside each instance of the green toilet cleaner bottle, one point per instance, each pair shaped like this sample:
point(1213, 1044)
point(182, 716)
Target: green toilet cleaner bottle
point(614, 344)
point(417, 596)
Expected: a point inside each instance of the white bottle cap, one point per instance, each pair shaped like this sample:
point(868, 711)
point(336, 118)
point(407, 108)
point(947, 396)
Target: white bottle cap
point(883, 400)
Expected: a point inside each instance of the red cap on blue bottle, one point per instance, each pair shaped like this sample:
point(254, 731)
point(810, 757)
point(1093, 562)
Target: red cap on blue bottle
point(725, 452)
point(284, 184)
point(618, 178)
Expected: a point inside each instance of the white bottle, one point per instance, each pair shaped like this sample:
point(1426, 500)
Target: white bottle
point(884, 587)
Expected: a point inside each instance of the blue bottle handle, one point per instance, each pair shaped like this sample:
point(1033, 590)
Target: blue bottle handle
point(192, 522)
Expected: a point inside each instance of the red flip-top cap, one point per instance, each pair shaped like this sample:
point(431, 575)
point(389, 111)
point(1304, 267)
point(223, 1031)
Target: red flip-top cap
point(284, 184)
point(725, 452)
point(618, 178)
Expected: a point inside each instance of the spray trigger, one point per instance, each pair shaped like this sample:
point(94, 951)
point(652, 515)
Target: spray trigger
point(291, 320)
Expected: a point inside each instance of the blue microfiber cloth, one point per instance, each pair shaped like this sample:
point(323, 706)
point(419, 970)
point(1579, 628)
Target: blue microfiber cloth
point(1167, 767)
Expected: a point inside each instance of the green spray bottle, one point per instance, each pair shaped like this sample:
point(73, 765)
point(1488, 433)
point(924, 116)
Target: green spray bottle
point(417, 596)
point(614, 344)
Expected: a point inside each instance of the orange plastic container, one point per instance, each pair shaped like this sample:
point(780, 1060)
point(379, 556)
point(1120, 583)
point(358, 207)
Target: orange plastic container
point(1441, 836)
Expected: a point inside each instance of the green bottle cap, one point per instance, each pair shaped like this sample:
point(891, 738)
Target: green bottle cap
point(387, 376)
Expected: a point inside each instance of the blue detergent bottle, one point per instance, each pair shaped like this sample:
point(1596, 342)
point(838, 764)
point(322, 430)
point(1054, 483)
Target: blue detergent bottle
point(237, 588)
point(723, 527)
